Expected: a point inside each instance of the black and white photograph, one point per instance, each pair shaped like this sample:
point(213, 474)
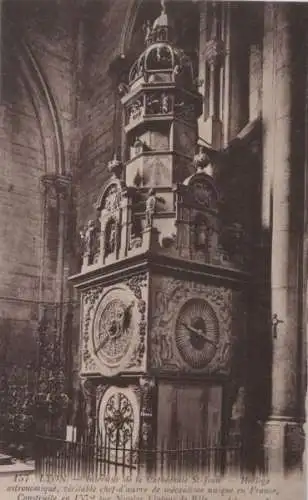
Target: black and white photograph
point(153, 249)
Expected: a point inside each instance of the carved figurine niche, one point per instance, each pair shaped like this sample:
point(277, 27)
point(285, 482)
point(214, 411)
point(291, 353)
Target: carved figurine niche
point(111, 219)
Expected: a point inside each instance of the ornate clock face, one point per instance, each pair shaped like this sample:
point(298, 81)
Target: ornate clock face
point(114, 326)
point(197, 333)
point(202, 193)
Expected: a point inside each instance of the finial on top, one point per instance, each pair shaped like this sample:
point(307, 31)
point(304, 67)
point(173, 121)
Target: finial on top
point(162, 20)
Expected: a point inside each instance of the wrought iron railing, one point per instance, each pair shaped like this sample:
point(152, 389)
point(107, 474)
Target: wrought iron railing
point(96, 459)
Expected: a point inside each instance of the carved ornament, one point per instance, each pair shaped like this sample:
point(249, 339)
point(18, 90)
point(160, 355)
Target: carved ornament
point(169, 297)
point(118, 416)
point(55, 184)
point(114, 327)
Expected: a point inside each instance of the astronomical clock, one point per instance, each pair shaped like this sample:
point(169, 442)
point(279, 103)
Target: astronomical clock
point(162, 282)
point(192, 326)
point(114, 328)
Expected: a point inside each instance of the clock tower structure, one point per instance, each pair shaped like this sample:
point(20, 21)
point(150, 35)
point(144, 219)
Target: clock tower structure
point(163, 276)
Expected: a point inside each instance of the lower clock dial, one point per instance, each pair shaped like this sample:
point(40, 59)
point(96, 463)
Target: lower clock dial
point(119, 418)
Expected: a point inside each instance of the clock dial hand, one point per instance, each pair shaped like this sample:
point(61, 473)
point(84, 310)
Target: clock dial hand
point(200, 333)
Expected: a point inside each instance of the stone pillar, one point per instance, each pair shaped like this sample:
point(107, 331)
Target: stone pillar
point(237, 71)
point(56, 194)
point(255, 80)
point(52, 378)
point(54, 261)
point(210, 73)
point(282, 431)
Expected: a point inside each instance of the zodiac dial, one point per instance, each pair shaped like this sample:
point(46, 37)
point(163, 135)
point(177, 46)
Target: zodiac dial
point(113, 327)
point(197, 333)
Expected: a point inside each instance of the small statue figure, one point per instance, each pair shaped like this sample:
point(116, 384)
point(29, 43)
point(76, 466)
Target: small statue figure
point(201, 235)
point(275, 322)
point(110, 237)
point(164, 103)
point(138, 147)
point(115, 166)
point(123, 89)
point(150, 207)
point(165, 347)
point(238, 408)
point(141, 67)
point(113, 199)
point(112, 241)
point(177, 70)
point(153, 104)
point(147, 29)
point(87, 237)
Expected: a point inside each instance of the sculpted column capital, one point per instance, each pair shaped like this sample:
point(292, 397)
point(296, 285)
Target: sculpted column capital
point(56, 184)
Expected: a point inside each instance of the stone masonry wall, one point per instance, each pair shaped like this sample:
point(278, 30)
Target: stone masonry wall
point(25, 156)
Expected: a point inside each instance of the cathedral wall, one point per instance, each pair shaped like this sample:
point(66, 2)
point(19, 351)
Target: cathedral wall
point(37, 55)
point(22, 164)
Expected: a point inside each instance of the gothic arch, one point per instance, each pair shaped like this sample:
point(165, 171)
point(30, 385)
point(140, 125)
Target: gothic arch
point(129, 24)
point(45, 108)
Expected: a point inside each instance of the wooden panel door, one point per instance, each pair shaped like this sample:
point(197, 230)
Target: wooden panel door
point(189, 413)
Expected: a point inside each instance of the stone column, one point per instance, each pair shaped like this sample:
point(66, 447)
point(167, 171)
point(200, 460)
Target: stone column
point(51, 357)
point(282, 431)
point(211, 63)
point(56, 194)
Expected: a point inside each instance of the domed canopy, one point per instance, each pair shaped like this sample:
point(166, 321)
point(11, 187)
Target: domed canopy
point(161, 60)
